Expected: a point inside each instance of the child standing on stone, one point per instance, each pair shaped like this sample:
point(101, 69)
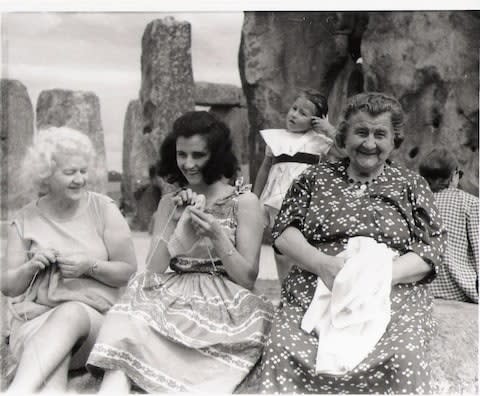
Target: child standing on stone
point(307, 140)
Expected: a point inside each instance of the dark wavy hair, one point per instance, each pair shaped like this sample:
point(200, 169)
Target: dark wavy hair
point(438, 167)
point(320, 101)
point(373, 103)
point(222, 161)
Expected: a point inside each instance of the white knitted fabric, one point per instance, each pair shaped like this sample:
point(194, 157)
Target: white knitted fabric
point(352, 318)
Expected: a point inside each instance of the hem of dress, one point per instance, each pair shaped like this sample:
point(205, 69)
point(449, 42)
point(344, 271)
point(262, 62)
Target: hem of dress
point(99, 363)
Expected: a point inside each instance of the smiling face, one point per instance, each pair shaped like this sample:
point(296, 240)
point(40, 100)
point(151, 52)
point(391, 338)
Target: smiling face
point(299, 117)
point(192, 156)
point(369, 141)
point(70, 177)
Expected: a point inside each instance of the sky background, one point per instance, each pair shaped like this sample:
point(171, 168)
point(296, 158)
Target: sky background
point(100, 52)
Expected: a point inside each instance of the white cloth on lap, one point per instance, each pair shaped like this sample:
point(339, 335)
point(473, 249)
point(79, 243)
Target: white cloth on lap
point(352, 318)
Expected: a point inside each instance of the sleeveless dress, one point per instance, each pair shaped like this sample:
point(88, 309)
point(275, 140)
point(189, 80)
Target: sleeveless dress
point(189, 330)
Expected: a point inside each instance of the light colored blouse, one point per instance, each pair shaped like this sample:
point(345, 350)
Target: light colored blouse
point(82, 233)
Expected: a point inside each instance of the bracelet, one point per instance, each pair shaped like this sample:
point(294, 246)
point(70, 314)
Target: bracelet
point(93, 268)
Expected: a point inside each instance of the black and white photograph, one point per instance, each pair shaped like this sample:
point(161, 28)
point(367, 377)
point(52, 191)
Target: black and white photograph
point(249, 198)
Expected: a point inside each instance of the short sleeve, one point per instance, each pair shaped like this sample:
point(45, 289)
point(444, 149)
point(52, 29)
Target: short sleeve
point(429, 235)
point(295, 204)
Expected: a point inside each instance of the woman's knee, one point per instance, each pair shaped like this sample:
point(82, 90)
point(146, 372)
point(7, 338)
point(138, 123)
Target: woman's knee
point(73, 316)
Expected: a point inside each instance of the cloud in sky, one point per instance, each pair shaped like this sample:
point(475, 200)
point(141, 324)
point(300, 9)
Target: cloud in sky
point(100, 52)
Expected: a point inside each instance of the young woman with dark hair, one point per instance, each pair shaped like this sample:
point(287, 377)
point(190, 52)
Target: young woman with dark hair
point(198, 327)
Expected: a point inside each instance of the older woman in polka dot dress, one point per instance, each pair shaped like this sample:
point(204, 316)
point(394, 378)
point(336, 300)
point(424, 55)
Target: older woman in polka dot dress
point(364, 195)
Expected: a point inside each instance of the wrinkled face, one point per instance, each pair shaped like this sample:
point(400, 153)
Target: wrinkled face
point(192, 156)
point(369, 142)
point(299, 117)
point(70, 177)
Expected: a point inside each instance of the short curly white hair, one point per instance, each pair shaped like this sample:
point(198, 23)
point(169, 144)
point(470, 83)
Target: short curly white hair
point(40, 160)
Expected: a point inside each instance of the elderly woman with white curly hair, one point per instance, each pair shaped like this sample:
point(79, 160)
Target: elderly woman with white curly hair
point(68, 254)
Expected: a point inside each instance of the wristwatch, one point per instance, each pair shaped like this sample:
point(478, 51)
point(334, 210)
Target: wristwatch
point(93, 268)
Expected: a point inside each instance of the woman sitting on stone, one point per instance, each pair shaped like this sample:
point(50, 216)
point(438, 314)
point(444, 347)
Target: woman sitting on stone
point(68, 254)
point(458, 276)
point(198, 328)
point(391, 209)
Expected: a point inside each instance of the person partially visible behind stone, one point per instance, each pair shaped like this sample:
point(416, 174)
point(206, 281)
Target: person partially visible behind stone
point(458, 277)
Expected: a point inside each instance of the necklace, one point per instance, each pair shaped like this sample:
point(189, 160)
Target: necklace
point(360, 185)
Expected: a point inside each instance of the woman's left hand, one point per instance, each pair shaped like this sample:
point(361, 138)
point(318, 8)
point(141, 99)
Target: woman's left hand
point(73, 265)
point(204, 224)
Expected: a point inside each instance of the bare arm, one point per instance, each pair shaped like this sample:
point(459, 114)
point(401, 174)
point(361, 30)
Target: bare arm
point(240, 261)
point(409, 267)
point(164, 224)
point(262, 175)
point(122, 262)
point(293, 244)
point(20, 270)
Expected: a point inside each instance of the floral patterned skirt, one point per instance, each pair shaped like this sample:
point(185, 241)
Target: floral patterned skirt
point(396, 365)
point(184, 332)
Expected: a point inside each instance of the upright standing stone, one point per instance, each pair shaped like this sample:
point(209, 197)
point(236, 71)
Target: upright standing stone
point(429, 61)
point(78, 110)
point(167, 89)
point(283, 52)
point(16, 134)
point(138, 155)
point(237, 120)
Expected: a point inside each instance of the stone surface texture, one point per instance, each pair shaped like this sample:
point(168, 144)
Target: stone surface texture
point(212, 94)
point(167, 89)
point(430, 62)
point(139, 154)
point(78, 110)
point(16, 134)
point(237, 120)
point(283, 52)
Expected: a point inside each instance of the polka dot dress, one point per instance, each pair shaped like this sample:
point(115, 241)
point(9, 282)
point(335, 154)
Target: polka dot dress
point(397, 209)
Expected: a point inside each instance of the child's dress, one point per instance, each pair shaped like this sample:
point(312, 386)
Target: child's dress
point(292, 153)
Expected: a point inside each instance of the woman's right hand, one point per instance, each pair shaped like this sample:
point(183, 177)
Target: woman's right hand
point(188, 197)
point(42, 258)
point(335, 264)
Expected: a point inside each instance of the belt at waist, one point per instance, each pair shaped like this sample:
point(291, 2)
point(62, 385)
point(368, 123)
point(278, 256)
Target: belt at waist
point(303, 158)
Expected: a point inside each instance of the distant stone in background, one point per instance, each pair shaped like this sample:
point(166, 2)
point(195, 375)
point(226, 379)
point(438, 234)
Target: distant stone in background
point(78, 110)
point(16, 134)
point(213, 94)
point(139, 153)
point(167, 89)
point(228, 103)
point(237, 120)
point(283, 52)
point(429, 61)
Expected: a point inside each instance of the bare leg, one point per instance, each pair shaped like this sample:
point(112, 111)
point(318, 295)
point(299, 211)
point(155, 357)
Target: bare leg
point(57, 381)
point(49, 347)
point(115, 382)
point(283, 266)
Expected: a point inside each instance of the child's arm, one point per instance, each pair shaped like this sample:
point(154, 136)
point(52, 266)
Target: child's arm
point(262, 175)
point(321, 125)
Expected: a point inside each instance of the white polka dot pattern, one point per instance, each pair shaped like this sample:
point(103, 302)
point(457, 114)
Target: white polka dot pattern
point(397, 209)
